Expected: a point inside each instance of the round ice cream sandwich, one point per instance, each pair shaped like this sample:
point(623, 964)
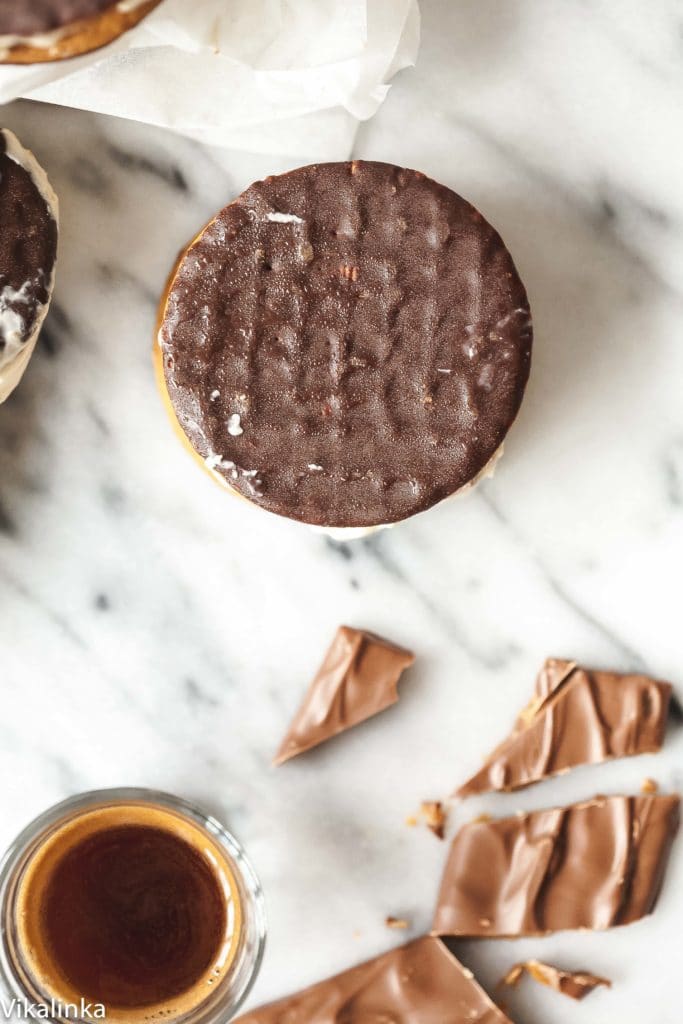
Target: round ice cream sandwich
point(35, 31)
point(345, 345)
point(28, 249)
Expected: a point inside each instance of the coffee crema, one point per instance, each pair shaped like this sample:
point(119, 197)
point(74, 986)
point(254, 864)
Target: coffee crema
point(131, 906)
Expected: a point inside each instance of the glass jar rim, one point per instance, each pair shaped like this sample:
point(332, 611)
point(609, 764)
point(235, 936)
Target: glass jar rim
point(225, 1000)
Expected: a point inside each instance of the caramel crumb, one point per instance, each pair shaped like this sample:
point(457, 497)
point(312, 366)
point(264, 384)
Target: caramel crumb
point(435, 816)
point(513, 976)
point(537, 973)
point(481, 819)
point(411, 821)
point(307, 252)
point(396, 922)
point(349, 272)
point(648, 786)
point(355, 166)
point(575, 984)
point(428, 400)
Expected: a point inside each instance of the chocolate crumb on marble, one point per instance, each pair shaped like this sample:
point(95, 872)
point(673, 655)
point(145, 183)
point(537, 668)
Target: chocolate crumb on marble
point(368, 327)
point(575, 984)
point(435, 817)
point(399, 923)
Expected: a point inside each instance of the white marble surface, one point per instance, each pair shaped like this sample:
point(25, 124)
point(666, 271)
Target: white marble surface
point(155, 632)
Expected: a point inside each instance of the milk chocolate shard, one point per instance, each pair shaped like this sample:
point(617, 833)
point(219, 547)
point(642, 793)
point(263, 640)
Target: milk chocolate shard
point(357, 679)
point(419, 983)
point(577, 716)
point(575, 984)
point(591, 865)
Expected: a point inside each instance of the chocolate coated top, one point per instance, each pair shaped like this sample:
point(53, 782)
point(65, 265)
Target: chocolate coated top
point(592, 865)
point(28, 249)
point(419, 983)
point(578, 716)
point(357, 679)
point(352, 341)
point(575, 984)
point(22, 18)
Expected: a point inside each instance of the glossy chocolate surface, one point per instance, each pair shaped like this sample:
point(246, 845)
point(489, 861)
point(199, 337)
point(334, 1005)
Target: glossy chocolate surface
point(419, 983)
point(593, 865)
point(357, 679)
point(578, 716)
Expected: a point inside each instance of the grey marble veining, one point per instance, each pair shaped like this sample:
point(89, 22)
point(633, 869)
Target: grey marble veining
point(155, 632)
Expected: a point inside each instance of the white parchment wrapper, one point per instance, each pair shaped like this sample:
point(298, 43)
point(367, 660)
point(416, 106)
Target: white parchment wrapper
point(285, 76)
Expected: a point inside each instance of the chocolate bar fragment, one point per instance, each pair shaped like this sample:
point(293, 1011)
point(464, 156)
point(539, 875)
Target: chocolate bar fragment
point(591, 865)
point(419, 983)
point(357, 679)
point(575, 984)
point(577, 716)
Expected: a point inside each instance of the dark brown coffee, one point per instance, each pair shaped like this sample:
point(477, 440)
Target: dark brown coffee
point(132, 908)
point(141, 902)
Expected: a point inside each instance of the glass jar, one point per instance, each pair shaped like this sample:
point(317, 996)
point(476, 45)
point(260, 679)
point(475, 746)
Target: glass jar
point(24, 983)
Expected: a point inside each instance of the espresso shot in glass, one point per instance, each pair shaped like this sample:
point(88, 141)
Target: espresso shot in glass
point(129, 905)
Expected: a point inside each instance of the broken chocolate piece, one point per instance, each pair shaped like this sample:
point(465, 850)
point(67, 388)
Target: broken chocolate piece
point(419, 983)
point(357, 679)
point(575, 984)
point(591, 865)
point(577, 716)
